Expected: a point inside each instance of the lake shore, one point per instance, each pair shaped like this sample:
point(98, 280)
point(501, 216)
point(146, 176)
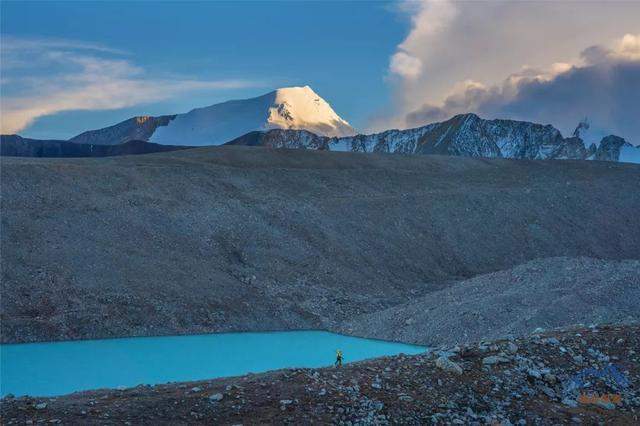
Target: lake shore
point(57, 368)
point(521, 379)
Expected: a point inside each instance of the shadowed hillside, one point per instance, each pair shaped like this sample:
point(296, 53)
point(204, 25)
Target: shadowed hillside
point(236, 238)
point(17, 146)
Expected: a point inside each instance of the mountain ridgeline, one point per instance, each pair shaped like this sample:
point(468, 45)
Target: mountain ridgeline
point(17, 146)
point(136, 128)
point(297, 117)
point(464, 135)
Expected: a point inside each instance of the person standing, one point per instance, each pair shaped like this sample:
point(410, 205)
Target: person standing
point(338, 362)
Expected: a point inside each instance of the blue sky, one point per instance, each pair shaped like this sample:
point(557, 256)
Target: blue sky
point(339, 49)
point(71, 66)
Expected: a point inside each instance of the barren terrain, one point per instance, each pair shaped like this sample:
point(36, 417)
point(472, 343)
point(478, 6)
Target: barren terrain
point(237, 238)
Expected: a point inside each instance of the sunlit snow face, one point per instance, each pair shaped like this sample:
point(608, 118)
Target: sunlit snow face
point(297, 108)
point(302, 108)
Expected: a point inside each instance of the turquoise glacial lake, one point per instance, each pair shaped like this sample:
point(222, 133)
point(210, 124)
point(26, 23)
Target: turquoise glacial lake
point(57, 368)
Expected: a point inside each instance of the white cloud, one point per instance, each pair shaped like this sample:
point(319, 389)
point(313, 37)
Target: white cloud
point(629, 47)
point(428, 20)
point(44, 77)
point(405, 65)
point(17, 43)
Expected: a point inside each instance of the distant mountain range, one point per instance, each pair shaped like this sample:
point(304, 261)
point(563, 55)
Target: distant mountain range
point(296, 117)
point(463, 135)
point(17, 146)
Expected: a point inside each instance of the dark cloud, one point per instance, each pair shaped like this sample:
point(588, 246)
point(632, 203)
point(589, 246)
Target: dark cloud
point(606, 90)
point(426, 114)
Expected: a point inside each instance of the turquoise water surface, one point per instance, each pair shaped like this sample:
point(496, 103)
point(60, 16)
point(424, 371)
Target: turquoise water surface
point(56, 368)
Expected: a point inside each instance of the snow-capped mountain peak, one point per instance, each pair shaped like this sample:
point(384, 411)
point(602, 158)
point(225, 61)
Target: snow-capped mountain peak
point(295, 108)
point(301, 108)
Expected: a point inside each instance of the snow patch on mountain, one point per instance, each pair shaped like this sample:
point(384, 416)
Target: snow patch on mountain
point(301, 108)
point(298, 108)
point(466, 135)
point(463, 135)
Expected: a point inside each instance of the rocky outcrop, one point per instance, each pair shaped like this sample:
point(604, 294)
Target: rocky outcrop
point(300, 139)
point(610, 147)
point(572, 148)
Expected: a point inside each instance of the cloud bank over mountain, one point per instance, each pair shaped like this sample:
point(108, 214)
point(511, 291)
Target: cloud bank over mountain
point(46, 76)
point(470, 57)
point(605, 88)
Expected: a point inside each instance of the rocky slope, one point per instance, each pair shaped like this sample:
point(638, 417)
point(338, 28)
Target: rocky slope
point(135, 128)
point(17, 146)
point(579, 376)
point(285, 108)
point(614, 148)
point(545, 293)
point(464, 135)
point(232, 238)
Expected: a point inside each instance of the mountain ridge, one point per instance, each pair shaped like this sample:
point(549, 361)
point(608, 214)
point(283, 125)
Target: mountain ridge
point(135, 128)
point(465, 135)
point(17, 146)
point(281, 119)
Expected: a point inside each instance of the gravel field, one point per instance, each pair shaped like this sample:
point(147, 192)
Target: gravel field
point(237, 238)
point(547, 293)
